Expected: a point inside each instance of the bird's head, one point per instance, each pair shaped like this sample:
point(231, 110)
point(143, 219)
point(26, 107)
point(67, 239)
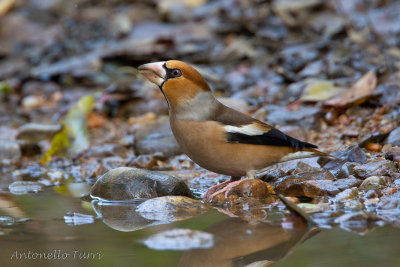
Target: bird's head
point(182, 85)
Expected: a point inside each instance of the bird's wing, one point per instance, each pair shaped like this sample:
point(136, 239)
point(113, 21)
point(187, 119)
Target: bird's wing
point(244, 129)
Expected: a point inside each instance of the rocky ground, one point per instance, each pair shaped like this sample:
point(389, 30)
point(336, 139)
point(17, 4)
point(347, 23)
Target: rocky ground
point(326, 72)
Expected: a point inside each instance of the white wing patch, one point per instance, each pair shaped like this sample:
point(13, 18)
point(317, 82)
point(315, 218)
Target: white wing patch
point(249, 129)
point(298, 155)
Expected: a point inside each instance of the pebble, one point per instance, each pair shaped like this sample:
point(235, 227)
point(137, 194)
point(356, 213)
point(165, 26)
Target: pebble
point(180, 239)
point(75, 218)
point(348, 194)
point(373, 183)
point(24, 187)
point(313, 188)
point(376, 168)
point(10, 152)
point(36, 132)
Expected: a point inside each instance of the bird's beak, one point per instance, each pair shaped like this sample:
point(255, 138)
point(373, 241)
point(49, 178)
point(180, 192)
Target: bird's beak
point(154, 72)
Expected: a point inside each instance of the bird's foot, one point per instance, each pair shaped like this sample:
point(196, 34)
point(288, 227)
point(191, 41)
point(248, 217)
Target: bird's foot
point(225, 190)
point(214, 189)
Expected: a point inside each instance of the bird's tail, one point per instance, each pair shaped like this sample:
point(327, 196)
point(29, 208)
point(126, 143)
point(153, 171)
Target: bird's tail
point(305, 153)
point(317, 153)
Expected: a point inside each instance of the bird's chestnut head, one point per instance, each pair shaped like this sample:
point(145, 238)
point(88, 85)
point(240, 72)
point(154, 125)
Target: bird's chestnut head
point(180, 83)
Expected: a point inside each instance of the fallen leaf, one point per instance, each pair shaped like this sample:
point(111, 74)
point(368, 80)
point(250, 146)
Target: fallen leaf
point(59, 143)
point(5, 6)
point(74, 137)
point(357, 94)
point(319, 90)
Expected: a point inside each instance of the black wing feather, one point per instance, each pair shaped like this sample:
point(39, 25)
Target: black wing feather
point(273, 137)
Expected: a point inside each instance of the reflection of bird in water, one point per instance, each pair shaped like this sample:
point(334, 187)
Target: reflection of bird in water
point(215, 136)
point(239, 243)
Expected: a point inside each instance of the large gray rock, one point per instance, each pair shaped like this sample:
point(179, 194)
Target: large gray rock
point(131, 183)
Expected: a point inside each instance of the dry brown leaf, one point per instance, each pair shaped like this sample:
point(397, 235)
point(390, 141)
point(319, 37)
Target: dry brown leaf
point(357, 94)
point(5, 6)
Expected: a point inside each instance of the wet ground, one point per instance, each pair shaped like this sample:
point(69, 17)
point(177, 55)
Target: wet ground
point(111, 242)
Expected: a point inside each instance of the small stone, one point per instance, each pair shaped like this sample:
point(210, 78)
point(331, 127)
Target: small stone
point(75, 218)
point(180, 239)
point(313, 188)
point(346, 183)
point(373, 182)
point(171, 208)
point(10, 152)
point(24, 187)
point(33, 101)
point(393, 154)
point(373, 193)
point(346, 170)
point(394, 137)
point(143, 162)
point(35, 132)
point(348, 194)
point(376, 168)
point(373, 147)
point(310, 188)
point(353, 154)
point(127, 140)
point(391, 202)
point(130, 183)
point(7, 221)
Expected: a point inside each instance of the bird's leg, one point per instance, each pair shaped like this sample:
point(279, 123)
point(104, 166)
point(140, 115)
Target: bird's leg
point(232, 183)
point(252, 174)
point(264, 170)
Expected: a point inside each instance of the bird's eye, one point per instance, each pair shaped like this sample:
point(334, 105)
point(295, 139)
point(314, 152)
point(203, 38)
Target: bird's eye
point(176, 72)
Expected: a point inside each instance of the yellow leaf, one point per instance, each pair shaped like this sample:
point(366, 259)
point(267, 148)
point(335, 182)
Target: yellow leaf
point(59, 143)
point(74, 137)
point(319, 90)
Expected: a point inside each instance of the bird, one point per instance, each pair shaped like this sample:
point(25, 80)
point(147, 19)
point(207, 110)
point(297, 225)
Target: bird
point(216, 137)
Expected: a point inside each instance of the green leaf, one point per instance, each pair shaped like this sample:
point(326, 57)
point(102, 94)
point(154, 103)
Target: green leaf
point(4, 88)
point(74, 137)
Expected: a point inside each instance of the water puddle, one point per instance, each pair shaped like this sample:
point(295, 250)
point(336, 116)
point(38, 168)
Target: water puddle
point(55, 229)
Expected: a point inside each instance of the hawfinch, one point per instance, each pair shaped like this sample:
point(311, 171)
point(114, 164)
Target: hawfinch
point(214, 136)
